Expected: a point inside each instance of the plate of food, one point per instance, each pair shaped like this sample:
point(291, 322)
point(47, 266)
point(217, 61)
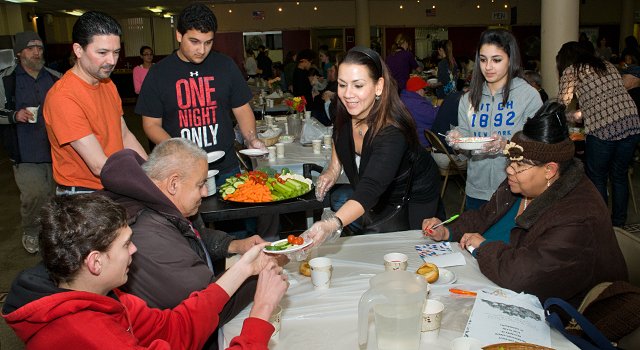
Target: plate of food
point(253, 152)
point(261, 187)
point(286, 139)
point(471, 143)
point(445, 277)
point(287, 245)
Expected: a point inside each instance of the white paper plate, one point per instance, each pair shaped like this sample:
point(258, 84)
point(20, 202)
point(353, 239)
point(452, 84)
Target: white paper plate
point(445, 277)
point(295, 248)
point(471, 143)
point(253, 152)
point(212, 173)
point(213, 156)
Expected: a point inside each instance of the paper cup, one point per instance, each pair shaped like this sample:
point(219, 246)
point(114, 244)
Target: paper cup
point(269, 120)
point(466, 343)
point(276, 320)
point(395, 262)
point(34, 111)
point(317, 146)
point(272, 153)
point(211, 182)
point(320, 272)
point(431, 320)
point(280, 150)
point(326, 140)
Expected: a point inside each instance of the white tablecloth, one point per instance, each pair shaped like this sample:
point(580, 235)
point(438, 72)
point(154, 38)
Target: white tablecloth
point(328, 319)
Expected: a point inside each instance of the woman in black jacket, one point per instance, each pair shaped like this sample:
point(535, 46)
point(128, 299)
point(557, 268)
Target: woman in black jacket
point(395, 181)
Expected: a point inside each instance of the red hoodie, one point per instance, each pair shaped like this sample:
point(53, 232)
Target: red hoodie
point(55, 318)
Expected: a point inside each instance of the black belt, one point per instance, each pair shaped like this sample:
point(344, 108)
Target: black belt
point(75, 188)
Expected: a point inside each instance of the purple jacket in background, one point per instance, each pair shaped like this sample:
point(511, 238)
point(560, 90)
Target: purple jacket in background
point(423, 112)
point(401, 63)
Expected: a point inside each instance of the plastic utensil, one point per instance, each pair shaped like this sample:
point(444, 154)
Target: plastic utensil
point(446, 221)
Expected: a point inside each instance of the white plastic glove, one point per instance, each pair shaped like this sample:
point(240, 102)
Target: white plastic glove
point(493, 147)
point(327, 229)
point(257, 144)
point(325, 181)
point(451, 137)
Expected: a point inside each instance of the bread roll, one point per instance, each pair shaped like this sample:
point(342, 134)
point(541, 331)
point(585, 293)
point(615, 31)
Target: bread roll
point(429, 271)
point(305, 269)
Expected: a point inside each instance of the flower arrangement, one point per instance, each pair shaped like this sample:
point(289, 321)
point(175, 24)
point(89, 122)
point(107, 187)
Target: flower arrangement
point(296, 103)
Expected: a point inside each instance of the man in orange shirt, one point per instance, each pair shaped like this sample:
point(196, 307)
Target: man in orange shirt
point(83, 111)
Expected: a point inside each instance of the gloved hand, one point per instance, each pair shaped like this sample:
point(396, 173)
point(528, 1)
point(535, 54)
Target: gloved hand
point(328, 228)
point(451, 137)
point(325, 181)
point(257, 144)
point(493, 147)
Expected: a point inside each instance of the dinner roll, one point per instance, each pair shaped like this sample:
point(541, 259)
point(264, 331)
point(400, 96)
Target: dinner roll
point(429, 271)
point(305, 269)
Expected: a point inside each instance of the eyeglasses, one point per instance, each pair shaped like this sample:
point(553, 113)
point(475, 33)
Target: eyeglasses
point(516, 172)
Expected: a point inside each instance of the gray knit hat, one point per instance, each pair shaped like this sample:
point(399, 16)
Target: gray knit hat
point(23, 39)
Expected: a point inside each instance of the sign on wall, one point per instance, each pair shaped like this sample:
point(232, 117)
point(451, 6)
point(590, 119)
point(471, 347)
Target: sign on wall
point(258, 15)
point(498, 16)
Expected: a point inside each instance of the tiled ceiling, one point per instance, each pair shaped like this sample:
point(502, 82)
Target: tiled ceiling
point(128, 8)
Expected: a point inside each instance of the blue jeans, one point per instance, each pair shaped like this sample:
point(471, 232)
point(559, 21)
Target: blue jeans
point(338, 196)
point(473, 203)
point(611, 159)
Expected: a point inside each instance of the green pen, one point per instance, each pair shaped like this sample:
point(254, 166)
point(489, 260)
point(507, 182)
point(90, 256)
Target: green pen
point(446, 221)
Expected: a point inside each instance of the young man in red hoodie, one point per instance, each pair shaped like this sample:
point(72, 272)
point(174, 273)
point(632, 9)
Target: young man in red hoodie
point(71, 300)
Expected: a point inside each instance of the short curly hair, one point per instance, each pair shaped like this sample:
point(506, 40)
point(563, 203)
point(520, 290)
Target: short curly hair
point(199, 17)
point(73, 226)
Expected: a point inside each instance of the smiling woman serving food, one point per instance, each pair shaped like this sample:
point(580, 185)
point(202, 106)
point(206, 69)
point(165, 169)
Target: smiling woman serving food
point(394, 180)
point(545, 231)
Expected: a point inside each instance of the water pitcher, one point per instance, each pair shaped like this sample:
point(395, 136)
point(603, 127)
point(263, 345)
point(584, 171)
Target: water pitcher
point(397, 299)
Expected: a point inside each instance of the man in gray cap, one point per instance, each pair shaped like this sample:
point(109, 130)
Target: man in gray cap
point(24, 88)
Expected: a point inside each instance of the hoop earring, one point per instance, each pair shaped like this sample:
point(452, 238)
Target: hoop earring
point(377, 97)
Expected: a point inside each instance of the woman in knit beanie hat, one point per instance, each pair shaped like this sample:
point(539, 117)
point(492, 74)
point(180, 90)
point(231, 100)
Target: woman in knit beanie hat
point(546, 230)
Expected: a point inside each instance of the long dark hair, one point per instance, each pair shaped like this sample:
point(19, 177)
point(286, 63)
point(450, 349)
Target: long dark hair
point(389, 109)
point(507, 42)
point(575, 54)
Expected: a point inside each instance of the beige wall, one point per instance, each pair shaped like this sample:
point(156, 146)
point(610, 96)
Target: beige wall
point(13, 19)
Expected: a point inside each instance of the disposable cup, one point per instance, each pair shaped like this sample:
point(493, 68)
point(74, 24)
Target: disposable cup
point(431, 320)
point(317, 146)
point(272, 153)
point(280, 150)
point(326, 140)
point(395, 261)
point(211, 182)
point(466, 343)
point(276, 320)
point(320, 272)
point(34, 111)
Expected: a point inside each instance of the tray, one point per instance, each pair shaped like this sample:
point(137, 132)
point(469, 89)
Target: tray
point(272, 202)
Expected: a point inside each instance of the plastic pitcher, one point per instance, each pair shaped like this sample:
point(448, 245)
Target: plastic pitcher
point(397, 299)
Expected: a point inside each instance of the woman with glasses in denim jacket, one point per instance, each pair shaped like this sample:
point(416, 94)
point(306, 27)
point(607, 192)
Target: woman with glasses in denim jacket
point(545, 231)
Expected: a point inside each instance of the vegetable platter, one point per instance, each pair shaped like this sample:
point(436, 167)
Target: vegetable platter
point(264, 186)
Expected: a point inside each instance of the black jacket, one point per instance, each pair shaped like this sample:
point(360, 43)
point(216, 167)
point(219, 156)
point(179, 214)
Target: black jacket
point(170, 262)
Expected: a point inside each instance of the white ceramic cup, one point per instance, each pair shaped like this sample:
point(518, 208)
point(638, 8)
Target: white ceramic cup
point(276, 320)
point(272, 153)
point(466, 343)
point(326, 140)
point(431, 320)
point(317, 146)
point(395, 261)
point(34, 111)
point(320, 272)
point(280, 150)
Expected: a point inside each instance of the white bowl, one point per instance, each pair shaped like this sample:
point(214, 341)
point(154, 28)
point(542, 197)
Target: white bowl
point(466, 343)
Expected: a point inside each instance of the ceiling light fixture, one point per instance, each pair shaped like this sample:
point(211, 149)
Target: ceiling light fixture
point(74, 12)
point(156, 9)
point(168, 15)
point(21, 1)
point(279, 9)
point(315, 8)
point(230, 10)
point(401, 7)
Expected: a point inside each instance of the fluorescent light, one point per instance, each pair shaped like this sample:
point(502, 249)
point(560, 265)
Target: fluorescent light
point(21, 1)
point(156, 9)
point(168, 15)
point(74, 12)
